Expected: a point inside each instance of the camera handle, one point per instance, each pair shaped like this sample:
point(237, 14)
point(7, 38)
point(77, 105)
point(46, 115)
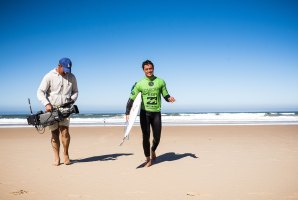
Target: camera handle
point(30, 106)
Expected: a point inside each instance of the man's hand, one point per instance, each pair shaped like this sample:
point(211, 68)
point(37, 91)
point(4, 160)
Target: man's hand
point(49, 107)
point(171, 99)
point(127, 118)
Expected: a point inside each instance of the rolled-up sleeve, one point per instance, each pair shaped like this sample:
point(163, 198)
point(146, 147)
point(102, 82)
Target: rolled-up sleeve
point(75, 90)
point(41, 91)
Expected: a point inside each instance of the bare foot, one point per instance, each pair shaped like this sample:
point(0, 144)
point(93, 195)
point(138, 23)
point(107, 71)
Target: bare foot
point(149, 163)
point(66, 160)
point(153, 155)
point(56, 162)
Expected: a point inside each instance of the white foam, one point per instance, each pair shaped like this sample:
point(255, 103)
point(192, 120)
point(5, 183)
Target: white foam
point(13, 121)
point(178, 119)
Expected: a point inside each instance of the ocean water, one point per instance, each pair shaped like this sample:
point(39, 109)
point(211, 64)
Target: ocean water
point(170, 119)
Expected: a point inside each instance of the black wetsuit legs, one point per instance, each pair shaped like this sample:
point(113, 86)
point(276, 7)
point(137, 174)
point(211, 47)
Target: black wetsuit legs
point(152, 119)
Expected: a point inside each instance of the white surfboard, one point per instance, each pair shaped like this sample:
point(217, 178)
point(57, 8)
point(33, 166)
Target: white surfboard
point(132, 116)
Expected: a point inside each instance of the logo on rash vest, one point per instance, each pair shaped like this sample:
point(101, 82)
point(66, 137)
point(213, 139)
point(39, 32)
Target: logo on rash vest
point(151, 83)
point(151, 100)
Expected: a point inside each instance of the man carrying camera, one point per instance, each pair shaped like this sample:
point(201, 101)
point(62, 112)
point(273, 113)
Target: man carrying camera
point(58, 87)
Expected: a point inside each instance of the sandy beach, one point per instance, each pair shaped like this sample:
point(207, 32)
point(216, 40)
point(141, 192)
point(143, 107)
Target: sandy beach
point(199, 162)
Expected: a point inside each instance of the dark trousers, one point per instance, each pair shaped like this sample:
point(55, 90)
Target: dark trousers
point(152, 119)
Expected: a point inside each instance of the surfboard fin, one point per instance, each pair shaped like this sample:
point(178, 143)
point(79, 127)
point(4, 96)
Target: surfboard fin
point(122, 141)
point(125, 137)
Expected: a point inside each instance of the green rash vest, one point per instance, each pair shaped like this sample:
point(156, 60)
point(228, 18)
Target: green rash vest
point(151, 89)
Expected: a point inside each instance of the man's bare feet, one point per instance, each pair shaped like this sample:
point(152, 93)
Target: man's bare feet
point(149, 163)
point(56, 162)
point(66, 160)
point(153, 155)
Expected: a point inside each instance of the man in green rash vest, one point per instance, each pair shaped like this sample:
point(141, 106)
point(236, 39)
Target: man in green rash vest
point(151, 88)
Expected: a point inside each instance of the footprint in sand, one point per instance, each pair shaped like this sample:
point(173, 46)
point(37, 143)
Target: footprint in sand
point(190, 194)
point(196, 194)
point(20, 192)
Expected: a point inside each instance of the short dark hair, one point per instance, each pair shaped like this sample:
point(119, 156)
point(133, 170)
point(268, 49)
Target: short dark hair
point(147, 62)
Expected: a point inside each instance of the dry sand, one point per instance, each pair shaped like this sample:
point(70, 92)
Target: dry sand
point(202, 162)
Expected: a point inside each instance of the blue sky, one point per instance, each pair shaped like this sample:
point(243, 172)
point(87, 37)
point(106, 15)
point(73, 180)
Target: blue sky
point(214, 55)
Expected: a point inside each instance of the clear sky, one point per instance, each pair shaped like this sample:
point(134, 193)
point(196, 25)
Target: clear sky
point(214, 55)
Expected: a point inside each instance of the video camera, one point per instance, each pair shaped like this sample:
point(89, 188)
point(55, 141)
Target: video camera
point(41, 119)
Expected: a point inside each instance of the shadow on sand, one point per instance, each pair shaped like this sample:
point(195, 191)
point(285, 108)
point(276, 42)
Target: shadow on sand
point(168, 157)
point(101, 158)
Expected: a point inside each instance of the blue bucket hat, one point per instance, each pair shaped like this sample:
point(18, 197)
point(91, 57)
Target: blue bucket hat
point(66, 64)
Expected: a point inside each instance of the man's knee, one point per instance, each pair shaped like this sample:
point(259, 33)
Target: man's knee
point(55, 136)
point(146, 137)
point(55, 133)
point(64, 131)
